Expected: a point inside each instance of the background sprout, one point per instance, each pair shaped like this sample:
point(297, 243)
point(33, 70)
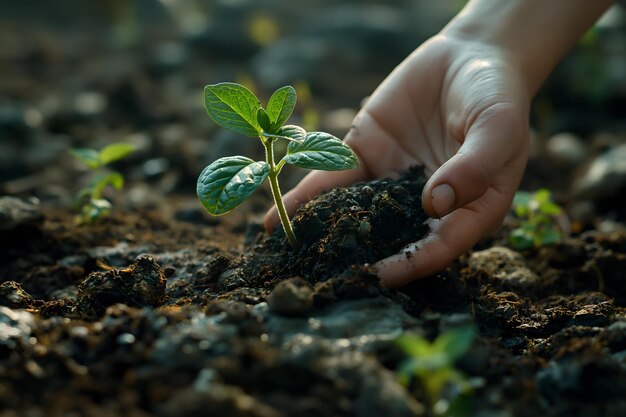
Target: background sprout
point(539, 216)
point(431, 365)
point(90, 199)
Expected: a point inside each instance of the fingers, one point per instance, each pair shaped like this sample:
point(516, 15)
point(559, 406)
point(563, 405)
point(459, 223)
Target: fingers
point(449, 238)
point(497, 136)
point(311, 185)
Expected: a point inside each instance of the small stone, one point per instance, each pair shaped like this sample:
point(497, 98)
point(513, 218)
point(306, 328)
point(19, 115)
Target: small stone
point(18, 214)
point(367, 191)
point(14, 324)
point(567, 149)
point(593, 315)
point(292, 297)
point(604, 177)
point(195, 214)
point(615, 336)
point(13, 295)
point(142, 284)
point(505, 265)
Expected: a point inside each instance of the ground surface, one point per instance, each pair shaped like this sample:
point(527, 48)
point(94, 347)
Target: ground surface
point(161, 310)
point(145, 315)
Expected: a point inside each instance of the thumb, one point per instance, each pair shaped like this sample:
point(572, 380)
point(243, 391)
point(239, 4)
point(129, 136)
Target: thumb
point(494, 139)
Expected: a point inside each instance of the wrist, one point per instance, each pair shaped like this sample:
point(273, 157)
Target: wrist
point(533, 34)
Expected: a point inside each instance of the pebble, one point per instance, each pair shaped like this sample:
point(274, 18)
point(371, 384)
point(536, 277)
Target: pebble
point(567, 149)
point(141, 284)
point(604, 177)
point(291, 297)
point(18, 214)
point(505, 265)
point(13, 295)
point(14, 324)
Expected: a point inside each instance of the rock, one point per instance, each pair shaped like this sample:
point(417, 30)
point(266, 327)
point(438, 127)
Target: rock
point(216, 400)
point(615, 336)
point(141, 284)
point(15, 327)
point(585, 379)
point(378, 392)
point(18, 214)
point(13, 295)
point(504, 265)
point(360, 324)
point(292, 297)
point(196, 214)
point(567, 149)
point(604, 177)
point(120, 254)
point(593, 315)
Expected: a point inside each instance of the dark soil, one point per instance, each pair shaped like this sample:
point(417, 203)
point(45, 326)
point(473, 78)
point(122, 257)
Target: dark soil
point(161, 310)
point(91, 325)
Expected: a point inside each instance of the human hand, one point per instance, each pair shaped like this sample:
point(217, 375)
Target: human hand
point(458, 107)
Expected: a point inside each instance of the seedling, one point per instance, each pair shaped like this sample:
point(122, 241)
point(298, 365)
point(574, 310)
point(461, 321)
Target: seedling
point(539, 220)
point(90, 199)
point(431, 364)
point(229, 181)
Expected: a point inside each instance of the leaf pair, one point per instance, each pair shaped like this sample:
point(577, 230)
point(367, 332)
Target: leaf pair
point(96, 159)
point(236, 108)
point(90, 198)
point(227, 182)
point(433, 363)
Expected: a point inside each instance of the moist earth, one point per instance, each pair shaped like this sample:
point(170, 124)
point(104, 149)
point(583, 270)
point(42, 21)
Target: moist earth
point(143, 314)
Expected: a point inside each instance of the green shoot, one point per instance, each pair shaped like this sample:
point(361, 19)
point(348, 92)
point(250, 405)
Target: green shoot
point(539, 220)
point(90, 200)
point(229, 181)
point(431, 365)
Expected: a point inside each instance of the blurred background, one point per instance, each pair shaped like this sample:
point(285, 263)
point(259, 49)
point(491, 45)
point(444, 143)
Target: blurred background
point(77, 73)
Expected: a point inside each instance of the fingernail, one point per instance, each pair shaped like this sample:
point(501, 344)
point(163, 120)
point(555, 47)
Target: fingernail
point(442, 199)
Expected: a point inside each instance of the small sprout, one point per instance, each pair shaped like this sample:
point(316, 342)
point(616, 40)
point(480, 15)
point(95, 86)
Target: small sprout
point(229, 181)
point(539, 220)
point(431, 365)
point(90, 200)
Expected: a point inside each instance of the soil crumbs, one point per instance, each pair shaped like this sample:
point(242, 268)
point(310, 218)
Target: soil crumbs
point(142, 315)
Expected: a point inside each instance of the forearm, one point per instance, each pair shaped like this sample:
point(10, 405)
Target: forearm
point(536, 33)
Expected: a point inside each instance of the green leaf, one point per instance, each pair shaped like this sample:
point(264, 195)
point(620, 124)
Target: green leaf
point(521, 202)
point(115, 152)
point(321, 151)
point(264, 120)
point(114, 179)
point(542, 195)
point(414, 345)
point(229, 181)
point(281, 105)
point(521, 239)
point(405, 372)
point(233, 107)
point(89, 157)
point(95, 209)
point(548, 236)
point(454, 343)
point(292, 132)
point(549, 208)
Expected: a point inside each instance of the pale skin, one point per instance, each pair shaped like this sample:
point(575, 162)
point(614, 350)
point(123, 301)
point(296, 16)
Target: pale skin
point(458, 106)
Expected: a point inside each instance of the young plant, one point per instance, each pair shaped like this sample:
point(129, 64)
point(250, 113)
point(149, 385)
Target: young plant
point(90, 199)
point(539, 220)
point(431, 364)
point(227, 182)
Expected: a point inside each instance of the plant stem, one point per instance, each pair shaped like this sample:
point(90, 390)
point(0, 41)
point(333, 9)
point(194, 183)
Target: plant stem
point(278, 199)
